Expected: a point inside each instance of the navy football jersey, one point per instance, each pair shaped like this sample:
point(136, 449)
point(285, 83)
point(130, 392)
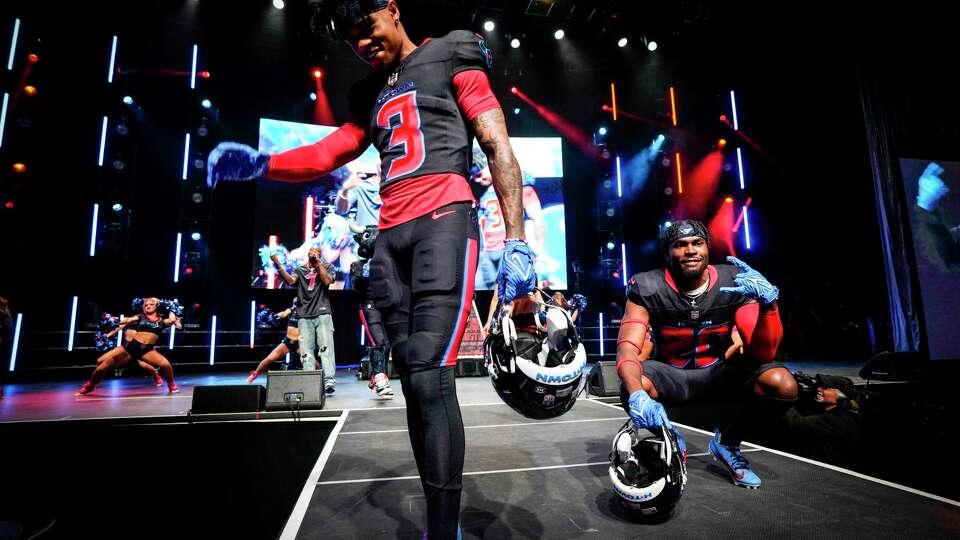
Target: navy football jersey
point(689, 333)
point(414, 120)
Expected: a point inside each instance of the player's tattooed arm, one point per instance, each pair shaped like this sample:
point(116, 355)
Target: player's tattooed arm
point(490, 129)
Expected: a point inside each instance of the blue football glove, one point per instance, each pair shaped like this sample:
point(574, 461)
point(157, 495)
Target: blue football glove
point(930, 188)
point(647, 413)
point(235, 162)
point(517, 275)
point(751, 284)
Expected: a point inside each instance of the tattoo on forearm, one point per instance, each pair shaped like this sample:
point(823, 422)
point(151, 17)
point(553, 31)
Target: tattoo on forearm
point(490, 129)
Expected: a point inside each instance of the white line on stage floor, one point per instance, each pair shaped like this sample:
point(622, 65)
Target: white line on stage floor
point(403, 407)
point(292, 527)
point(474, 473)
point(820, 464)
point(492, 426)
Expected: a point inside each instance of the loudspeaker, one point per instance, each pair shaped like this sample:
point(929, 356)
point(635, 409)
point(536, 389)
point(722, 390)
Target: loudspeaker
point(604, 380)
point(295, 390)
point(227, 399)
point(471, 367)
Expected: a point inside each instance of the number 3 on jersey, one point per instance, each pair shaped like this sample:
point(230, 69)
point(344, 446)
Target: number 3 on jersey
point(405, 132)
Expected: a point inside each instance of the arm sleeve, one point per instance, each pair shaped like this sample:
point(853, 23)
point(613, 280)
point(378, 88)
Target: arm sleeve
point(761, 330)
point(320, 158)
point(473, 92)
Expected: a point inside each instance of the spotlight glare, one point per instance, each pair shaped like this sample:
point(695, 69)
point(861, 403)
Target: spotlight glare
point(19, 167)
point(30, 90)
point(195, 237)
point(611, 245)
point(728, 200)
point(722, 143)
point(278, 4)
point(602, 130)
point(515, 43)
point(33, 58)
point(317, 73)
point(513, 89)
point(313, 96)
point(489, 26)
point(206, 104)
point(516, 110)
point(117, 207)
point(127, 100)
point(558, 35)
point(622, 42)
point(652, 46)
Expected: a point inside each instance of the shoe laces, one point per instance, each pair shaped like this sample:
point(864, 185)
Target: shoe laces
point(737, 461)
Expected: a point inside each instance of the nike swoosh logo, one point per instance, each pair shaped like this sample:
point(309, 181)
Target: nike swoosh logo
point(516, 257)
point(437, 216)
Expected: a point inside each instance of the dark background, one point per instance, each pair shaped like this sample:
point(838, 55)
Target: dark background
point(797, 70)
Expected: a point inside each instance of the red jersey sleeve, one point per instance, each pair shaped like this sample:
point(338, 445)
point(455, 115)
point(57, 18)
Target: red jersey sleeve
point(320, 158)
point(761, 330)
point(474, 96)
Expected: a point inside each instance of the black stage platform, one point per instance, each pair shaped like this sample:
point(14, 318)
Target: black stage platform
point(353, 476)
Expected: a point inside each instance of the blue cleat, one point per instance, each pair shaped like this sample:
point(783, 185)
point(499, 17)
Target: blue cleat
point(733, 460)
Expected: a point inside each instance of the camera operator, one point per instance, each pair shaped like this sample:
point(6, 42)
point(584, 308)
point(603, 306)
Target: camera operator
point(825, 423)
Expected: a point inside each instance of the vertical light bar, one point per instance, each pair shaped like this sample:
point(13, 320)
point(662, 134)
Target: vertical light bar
point(308, 219)
point(176, 259)
point(733, 104)
point(213, 337)
point(186, 155)
point(73, 324)
point(613, 99)
point(601, 334)
point(120, 333)
point(253, 314)
point(623, 255)
point(113, 59)
point(673, 106)
point(93, 229)
point(746, 225)
point(173, 332)
point(16, 343)
point(103, 141)
point(740, 165)
point(363, 335)
point(3, 115)
point(679, 174)
point(287, 360)
point(619, 184)
point(193, 69)
point(271, 273)
point(13, 45)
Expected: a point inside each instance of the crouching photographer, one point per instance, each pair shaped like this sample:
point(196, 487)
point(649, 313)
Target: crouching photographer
point(825, 423)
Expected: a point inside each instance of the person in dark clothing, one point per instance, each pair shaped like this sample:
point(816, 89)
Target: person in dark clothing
point(825, 426)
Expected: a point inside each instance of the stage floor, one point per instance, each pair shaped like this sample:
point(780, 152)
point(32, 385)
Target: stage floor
point(525, 479)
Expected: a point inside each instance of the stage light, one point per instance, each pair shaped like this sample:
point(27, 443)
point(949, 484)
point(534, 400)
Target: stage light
point(176, 259)
point(313, 96)
point(652, 46)
point(513, 89)
point(601, 334)
point(199, 163)
point(73, 325)
point(602, 130)
point(740, 166)
point(193, 69)
point(103, 141)
point(93, 229)
point(8, 205)
point(722, 143)
point(279, 5)
point(13, 48)
point(622, 42)
point(197, 197)
point(213, 335)
point(317, 73)
point(611, 245)
point(203, 131)
point(733, 105)
point(33, 58)
point(623, 257)
point(30, 90)
point(3, 115)
point(205, 74)
point(19, 168)
point(117, 207)
point(515, 43)
point(746, 226)
point(728, 200)
point(188, 270)
point(558, 35)
point(186, 155)
point(173, 332)
point(113, 58)
point(516, 110)
point(206, 104)
point(127, 100)
point(253, 315)
point(121, 129)
point(666, 224)
point(119, 164)
point(489, 26)
point(723, 118)
point(16, 335)
point(660, 138)
point(195, 237)
point(308, 219)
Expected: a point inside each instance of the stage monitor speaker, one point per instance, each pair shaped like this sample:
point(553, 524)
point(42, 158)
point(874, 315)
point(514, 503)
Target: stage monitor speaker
point(227, 399)
point(296, 390)
point(604, 381)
